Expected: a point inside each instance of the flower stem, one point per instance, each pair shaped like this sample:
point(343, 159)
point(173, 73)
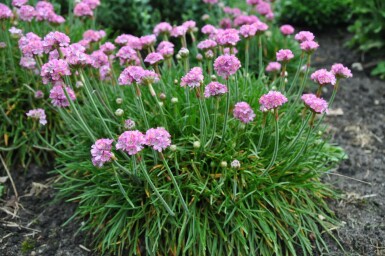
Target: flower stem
point(275, 153)
point(215, 121)
point(227, 109)
point(262, 131)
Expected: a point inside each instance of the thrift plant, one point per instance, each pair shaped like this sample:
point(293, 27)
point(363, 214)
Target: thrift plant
point(195, 149)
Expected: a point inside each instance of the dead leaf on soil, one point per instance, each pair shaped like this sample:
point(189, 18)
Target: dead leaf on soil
point(36, 189)
point(362, 136)
point(3, 179)
point(335, 112)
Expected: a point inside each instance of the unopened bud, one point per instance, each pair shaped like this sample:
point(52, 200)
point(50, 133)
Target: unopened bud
point(119, 112)
point(223, 164)
point(174, 100)
point(162, 96)
point(197, 144)
point(119, 101)
point(173, 148)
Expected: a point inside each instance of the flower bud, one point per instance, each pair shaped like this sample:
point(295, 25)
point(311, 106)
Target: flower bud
point(199, 57)
point(178, 57)
point(197, 144)
point(268, 33)
point(286, 80)
point(119, 112)
point(174, 100)
point(213, 77)
point(162, 96)
point(176, 81)
point(205, 17)
point(129, 124)
point(79, 84)
point(39, 94)
point(223, 164)
point(235, 164)
point(209, 54)
point(2, 45)
point(160, 103)
point(173, 148)
point(184, 52)
point(119, 101)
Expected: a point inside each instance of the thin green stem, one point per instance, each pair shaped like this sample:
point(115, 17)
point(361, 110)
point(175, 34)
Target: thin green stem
point(215, 121)
point(227, 109)
point(276, 145)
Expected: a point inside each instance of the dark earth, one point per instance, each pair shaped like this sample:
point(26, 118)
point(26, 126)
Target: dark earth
point(357, 123)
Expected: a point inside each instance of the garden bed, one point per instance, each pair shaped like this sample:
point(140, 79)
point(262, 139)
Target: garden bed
point(38, 230)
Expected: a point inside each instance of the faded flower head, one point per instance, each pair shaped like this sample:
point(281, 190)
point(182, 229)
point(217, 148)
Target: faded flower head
point(215, 89)
point(272, 100)
point(323, 77)
point(317, 105)
point(38, 114)
point(131, 141)
point(193, 78)
point(235, 164)
point(340, 71)
point(158, 138)
point(243, 112)
point(226, 65)
point(101, 152)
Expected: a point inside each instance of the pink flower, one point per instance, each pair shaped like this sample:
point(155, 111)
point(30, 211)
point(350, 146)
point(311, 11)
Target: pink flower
point(107, 47)
point(158, 138)
point(317, 105)
point(44, 11)
point(260, 26)
point(54, 40)
point(28, 63)
point(39, 94)
point(38, 114)
point(82, 9)
point(304, 36)
point(130, 75)
point(215, 89)
point(105, 72)
point(228, 37)
point(92, 3)
point(230, 51)
point(26, 13)
point(263, 8)
point(94, 35)
point(99, 59)
point(131, 142)
point(287, 30)
point(248, 31)
point(273, 67)
point(129, 124)
point(54, 18)
point(122, 39)
point(243, 112)
point(19, 3)
point(148, 40)
point(193, 78)
point(166, 49)
point(323, 77)
point(284, 55)
point(208, 29)
point(5, 12)
point(340, 71)
point(154, 58)
point(162, 28)
point(126, 54)
point(272, 100)
point(309, 46)
point(31, 45)
point(54, 70)
point(148, 77)
point(225, 23)
point(226, 65)
point(59, 98)
point(245, 20)
point(15, 32)
point(210, 1)
point(190, 25)
point(179, 31)
point(207, 44)
point(101, 152)
point(253, 2)
point(75, 55)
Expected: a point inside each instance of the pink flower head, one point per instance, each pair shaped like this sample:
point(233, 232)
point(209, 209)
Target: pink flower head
point(59, 98)
point(284, 55)
point(210, 1)
point(207, 44)
point(54, 18)
point(179, 31)
point(148, 77)
point(135, 43)
point(94, 35)
point(253, 2)
point(209, 29)
point(107, 47)
point(101, 152)
point(248, 31)
point(126, 55)
point(162, 28)
point(122, 39)
point(245, 20)
point(15, 32)
point(153, 58)
point(193, 78)
point(5, 12)
point(317, 105)
point(54, 40)
point(82, 9)
point(190, 25)
point(92, 3)
point(39, 94)
point(31, 45)
point(309, 46)
point(54, 55)
point(44, 11)
point(225, 23)
point(215, 89)
point(304, 36)
point(273, 67)
point(158, 138)
point(340, 71)
point(54, 70)
point(323, 77)
point(99, 59)
point(243, 112)
point(272, 100)
point(26, 13)
point(287, 29)
point(226, 65)
point(19, 3)
point(75, 55)
point(148, 40)
point(263, 8)
point(260, 26)
point(131, 142)
point(38, 114)
point(28, 63)
point(228, 37)
point(130, 74)
point(105, 72)
point(129, 124)
point(166, 49)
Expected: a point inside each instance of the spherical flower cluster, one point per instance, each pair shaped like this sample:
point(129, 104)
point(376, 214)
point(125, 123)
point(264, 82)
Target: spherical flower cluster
point(148, 40)
point(15, 32)
point(26, 13)
point(38, 114)
point(228, 37)
point(54, 70)
point(286, 29)
point(309, 46)
point(273, 67)
point(139, 75)
point(129, 124)
point(28, 63)
point(59, 98)
point(284, 55)
point(162, 28)
point(166, 49)
point(225, 23)
point(101, 152)
point(207, 44)
point(45, 11)
point(209, 29)
point(19, 3)
point(340, 71)
point(179, 31)
point(215, 89)
point(260, 26)
point(31, 45)
point(193, 78)
point(245, 20)
point(304, 36)
point(131, 142)
point(243, 112)
point(92, 3)
point(107, 47)
point(323, 77)
point(39, 94)
point(190, 25)
point(317, 105)
point(5, 12)
point(153, 58)
point(272, 100)
point(248, 31)
point(54, 40)
point(82, 9)
point(226, 65)
point(148, 77)
point(235, 164)
point(105, 72)
point(263, 8)
point(158, 138)
point(75, 55)
point(210, 1)
point(94, 35)
point(126, 55)
point(99, 59)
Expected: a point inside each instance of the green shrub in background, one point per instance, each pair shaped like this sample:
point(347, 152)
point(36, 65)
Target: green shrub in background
point(319, 14)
